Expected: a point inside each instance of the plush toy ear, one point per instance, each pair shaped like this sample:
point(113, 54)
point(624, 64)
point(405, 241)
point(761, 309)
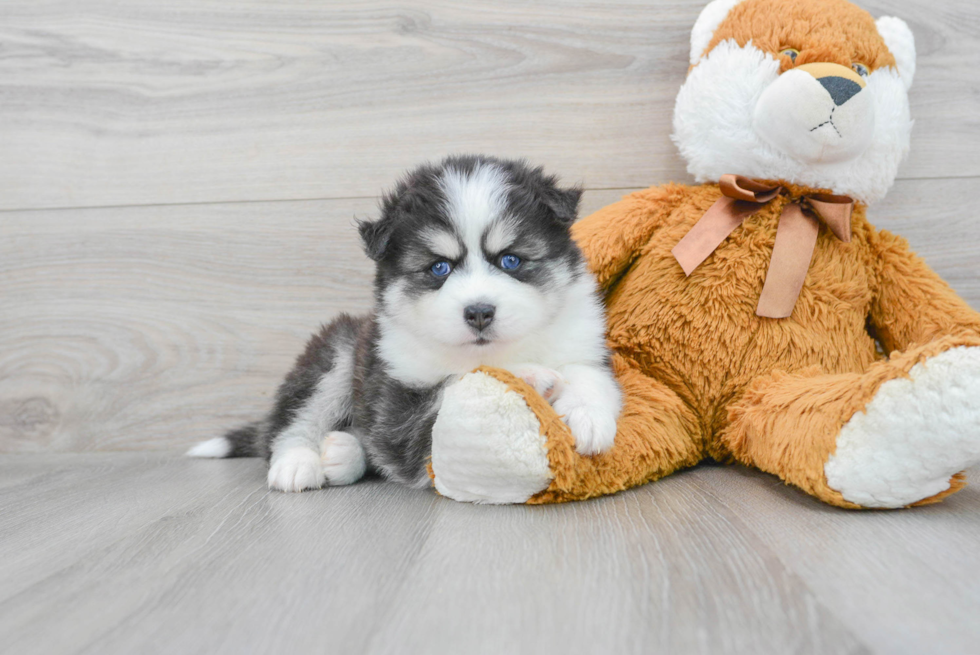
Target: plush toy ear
point(898, 37)
point(704, 29)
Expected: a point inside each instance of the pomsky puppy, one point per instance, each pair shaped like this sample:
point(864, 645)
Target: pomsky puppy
point(475, 266)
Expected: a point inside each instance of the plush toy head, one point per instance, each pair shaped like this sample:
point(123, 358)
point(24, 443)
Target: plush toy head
point(811, 92)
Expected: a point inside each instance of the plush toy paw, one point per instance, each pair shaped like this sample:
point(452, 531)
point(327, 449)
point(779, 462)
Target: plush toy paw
point(487, 445)
point(913, 436)
point(296, 469)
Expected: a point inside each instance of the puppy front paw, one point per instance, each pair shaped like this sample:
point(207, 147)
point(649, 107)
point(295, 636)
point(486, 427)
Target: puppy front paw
point(295, 470)
point(546, 381)
point(593, 427)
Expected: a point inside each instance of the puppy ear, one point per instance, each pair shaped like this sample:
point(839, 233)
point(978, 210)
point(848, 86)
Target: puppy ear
point(563, 202)
point(375, 236)
point(712, 16)
point(901, 43)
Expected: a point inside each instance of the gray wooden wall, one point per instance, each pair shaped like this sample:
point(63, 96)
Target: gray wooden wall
point(178, 179)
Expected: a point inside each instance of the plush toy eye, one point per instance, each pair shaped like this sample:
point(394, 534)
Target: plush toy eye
point(860, 69)
point(441, 268)
point(792, 53)
point(510, 262)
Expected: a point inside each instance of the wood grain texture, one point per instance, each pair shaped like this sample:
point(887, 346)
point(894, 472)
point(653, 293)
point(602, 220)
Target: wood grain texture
point(148, 325)
point(154, 327)
point(847, 559)
point(150, 552)
point(124, 553)
point(108, 103)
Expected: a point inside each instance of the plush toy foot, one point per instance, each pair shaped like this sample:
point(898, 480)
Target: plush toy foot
point(487, 444)
point(913, 436)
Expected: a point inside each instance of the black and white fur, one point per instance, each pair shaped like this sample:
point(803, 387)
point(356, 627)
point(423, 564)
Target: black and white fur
point(366, 391)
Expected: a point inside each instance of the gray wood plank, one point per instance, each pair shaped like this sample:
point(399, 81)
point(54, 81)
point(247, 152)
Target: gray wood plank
point(155, 321)
point(94, 501)
point(905, 581)
point(660, 569)
point(107, 103)
point(154, 327)
point(200, 558)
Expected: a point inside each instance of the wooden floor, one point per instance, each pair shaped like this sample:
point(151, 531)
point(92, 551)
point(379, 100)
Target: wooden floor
point(153, 553)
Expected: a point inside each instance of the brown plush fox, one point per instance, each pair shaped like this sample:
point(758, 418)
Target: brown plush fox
point(758, 316)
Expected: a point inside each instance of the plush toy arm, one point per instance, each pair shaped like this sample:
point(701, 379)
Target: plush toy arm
point(497, 441)
point(612, 237)
point(914, 305)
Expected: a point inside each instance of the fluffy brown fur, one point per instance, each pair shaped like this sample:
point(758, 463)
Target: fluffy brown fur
point(832, 31)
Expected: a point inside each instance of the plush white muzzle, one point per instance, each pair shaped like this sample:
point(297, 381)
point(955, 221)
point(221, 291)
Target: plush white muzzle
point(825, 120)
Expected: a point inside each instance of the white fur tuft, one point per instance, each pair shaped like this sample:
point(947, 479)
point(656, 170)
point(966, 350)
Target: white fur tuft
point(216, 448)
point(913, 435)
point(901, 42)
point(474, 200)
point(711, 17)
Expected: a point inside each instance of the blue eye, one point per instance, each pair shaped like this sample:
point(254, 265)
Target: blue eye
point(441, 269)
point(510, 262)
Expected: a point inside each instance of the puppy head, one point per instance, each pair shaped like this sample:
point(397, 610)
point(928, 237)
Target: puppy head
point(473, 253)
point(813, 92)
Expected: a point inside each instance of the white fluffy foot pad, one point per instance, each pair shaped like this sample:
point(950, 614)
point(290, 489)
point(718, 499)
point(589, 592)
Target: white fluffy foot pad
point(342, 458)
point(913, 436)
point(296, 469)
point(487, 445)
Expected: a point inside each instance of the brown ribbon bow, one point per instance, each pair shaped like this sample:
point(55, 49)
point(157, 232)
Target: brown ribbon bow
point(796, 236)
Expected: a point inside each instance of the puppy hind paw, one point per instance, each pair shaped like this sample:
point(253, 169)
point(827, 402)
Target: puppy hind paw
point(342, 458)
point(297, 469)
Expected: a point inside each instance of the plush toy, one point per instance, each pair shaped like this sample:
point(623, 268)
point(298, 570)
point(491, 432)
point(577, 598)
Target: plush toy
point(757, 316)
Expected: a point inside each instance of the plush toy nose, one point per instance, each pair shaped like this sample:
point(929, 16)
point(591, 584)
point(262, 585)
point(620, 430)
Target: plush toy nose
point(840, 90)
point(841, 82)
point(479, 316)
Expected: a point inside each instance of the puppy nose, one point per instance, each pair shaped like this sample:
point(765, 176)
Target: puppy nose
point(840, 89)
point(480, 315)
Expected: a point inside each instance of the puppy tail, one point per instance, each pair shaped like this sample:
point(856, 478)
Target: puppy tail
point(240, 442)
